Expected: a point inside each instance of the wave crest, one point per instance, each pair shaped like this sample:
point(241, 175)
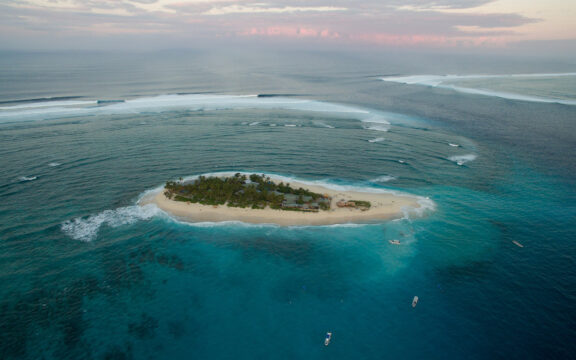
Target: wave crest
point(383, 178)
point(86, 228)
point(447, 82)
point(462, 159)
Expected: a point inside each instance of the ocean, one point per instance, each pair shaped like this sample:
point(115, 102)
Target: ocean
point(87, 273)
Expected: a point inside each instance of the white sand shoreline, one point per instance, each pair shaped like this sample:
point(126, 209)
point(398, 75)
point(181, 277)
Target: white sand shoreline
point(385, 206)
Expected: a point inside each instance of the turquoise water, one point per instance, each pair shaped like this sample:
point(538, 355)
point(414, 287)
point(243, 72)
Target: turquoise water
point(86, 273)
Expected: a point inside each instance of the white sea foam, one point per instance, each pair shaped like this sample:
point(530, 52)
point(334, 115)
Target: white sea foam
point(53, 164)
point(378, 122)
point(426, 205)
point(442, 81)
point(254, 123)
point(290, 125)
point(383, 178)
point(193, 102)
point(453, 145)
point(27, 178)
point(377, 127)
point(462, 159)
point(376, 140)
point(48, 104)
point(209, 224)
point(41, 113)
point(87, 228)
point(322, 124)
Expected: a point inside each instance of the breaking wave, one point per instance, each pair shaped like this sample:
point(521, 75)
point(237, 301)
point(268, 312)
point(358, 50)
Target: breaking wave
point(446, 82)
point(322, 124)
point(383, 178)
point(47, 104)
point(373, 119)
point(190, 102)
point(377, 127)
point(462, 159)
point(376, 140)
point(86, 228)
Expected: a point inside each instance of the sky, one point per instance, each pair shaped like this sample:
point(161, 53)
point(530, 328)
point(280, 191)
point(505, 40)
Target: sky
point(154, 24)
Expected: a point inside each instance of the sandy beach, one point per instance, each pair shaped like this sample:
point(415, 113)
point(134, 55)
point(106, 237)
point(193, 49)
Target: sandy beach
point(385, 206)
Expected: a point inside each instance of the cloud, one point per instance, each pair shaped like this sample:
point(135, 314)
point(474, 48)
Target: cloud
point(293, 31)
point(239, 9)
point(374, 21)
point(441, 4)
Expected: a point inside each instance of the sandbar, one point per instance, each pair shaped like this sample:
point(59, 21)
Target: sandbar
point(384, 206)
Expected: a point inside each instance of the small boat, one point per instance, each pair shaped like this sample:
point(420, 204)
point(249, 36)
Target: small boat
point(394, 242)
point(517, 243)
point(327, 339)
point(414, 301)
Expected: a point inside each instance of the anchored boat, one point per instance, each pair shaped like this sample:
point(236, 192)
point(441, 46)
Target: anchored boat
point(328, 338)
point(414, 301)
point(394, 242)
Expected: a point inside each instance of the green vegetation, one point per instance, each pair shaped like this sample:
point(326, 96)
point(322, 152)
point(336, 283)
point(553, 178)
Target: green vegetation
point(360, 204)
point(254, 191)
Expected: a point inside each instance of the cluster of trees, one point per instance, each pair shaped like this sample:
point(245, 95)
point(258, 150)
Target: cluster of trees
point(361, 204)
point(255, 191)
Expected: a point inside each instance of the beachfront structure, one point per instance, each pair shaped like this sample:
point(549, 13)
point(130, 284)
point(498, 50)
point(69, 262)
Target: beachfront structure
point(306, 203)
point(254, 191)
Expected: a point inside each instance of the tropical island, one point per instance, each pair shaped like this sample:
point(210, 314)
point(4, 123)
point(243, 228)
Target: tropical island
point(255, 198)
point(255, 192)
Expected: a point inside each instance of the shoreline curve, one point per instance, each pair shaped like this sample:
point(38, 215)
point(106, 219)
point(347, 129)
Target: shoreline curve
point(385, 206)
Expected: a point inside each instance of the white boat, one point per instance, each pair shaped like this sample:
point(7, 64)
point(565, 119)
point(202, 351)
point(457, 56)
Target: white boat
point(415, 301)
point(327, 339)
point(394, 242)
point(517, 243)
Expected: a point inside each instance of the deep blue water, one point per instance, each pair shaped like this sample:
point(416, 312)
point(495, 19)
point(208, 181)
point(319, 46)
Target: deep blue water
point(88, 274)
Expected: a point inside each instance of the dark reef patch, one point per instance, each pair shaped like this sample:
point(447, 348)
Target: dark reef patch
point(145, 328)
